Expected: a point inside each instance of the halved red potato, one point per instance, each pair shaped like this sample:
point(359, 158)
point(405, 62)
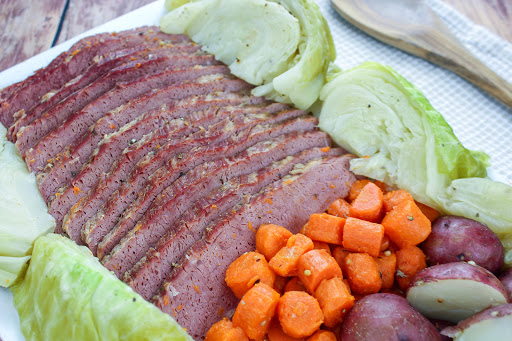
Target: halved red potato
point(491, 324)
point(506, 279)
point(455, 291)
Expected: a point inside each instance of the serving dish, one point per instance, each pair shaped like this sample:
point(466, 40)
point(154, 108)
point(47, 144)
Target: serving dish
point(479, 121)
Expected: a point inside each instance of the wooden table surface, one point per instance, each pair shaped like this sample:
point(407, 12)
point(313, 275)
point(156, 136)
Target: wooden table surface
point(28, 27)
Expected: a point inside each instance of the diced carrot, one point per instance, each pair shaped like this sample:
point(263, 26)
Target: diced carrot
point(334, 299)
point(339, 208)
point(255, 310)
point(369, 204)
point(347, 284)
point(276, 333)
point(299, 313)
point(326, 228)
point(225, 330)
point(363, 274)
point(406, 225)
point(322, 335)
point(270, 239)
point(315, 266)
point(294, 284)
point(409, 261)
point(382, 185)
point(362, 236)
point(284, 263)
point(247, 270)
point(340, 255)
point(387, 267)
point(280, 283)
point(322, 246)
point(385, 243)
point(428, 211)
point(356, 188)
point(303, 229)
point(393, 198)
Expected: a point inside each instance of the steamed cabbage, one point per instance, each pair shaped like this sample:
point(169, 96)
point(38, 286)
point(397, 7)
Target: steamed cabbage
point(284, 46)
point(68, 295)
point(401, 139)
point(23, 213)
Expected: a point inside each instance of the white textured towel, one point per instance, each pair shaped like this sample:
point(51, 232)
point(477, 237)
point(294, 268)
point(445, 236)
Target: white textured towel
point(479, 121)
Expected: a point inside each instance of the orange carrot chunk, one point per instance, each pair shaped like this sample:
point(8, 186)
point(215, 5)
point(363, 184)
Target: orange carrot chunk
point(339, 208)
point(335, 300)
point(340, 255)
point(369, 204)
point(247, 270)
point(255, 310)
point(363, 274)
point(385, 243)
point(326, 228)
point(299, 313)
point(356, 188)
point(387, 267)
point(322, 335)
point(280, 283)
point(225, 330)
point(315, 266)
point(362, 236)
point(382, 185)
point(409, 261)
point(406, 225)
point(276, 333)
point(284, 263)
point(428, 211)
point(294, 284)
point(393, 198)
point(270, 239)
point(322, 246)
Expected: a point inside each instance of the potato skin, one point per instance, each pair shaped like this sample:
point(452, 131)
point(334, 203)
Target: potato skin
point(386, 317)
point(456, 239)
point(506, 279)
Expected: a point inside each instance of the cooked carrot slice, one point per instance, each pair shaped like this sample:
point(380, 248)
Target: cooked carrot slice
point(247, 270)
point(299, 313)
point(294, 284)
point(225, 330)
point(280, 283)
point(340, 255)
point(369, 204)
point(322, 246)
point(409, 261)
point(382, 185)
point(406, 225)
point(363, 274)
point(339, 208)
point(326, 228)
point(284, 263)
point(270, 239)
point(385, 243)
point(334, 299)
point(255, 310)
point(428, 211)
point(362, 236)
point(315, 266)
point(393, 198)
point(356, 188)
point(387, 267)
point(322, 335)
point(276, 333)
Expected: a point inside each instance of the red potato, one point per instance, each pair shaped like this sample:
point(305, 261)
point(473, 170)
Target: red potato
point(491, 324)
point(455, 291)
point(456, 239)
point(506, 279)
point(386, 317)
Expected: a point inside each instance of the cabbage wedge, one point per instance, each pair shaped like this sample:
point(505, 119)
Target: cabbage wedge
point(402, 140)
point(68, 295)
point(283, 46)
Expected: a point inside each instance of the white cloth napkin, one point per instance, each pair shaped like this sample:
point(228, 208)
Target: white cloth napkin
point(478, 120)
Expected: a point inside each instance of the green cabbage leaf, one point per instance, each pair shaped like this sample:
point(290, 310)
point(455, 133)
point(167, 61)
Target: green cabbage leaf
point(283, 46)
point(68, 295)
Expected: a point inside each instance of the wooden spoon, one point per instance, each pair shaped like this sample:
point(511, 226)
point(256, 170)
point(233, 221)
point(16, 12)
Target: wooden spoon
point(412, 26)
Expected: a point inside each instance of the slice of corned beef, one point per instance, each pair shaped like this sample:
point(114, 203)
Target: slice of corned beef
point(197, 284)
point(181, 163)
point(55, 77)
point(149, 272)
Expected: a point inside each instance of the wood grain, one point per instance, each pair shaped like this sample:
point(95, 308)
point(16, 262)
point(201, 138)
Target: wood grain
point(27, 28)
point(84, 15)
